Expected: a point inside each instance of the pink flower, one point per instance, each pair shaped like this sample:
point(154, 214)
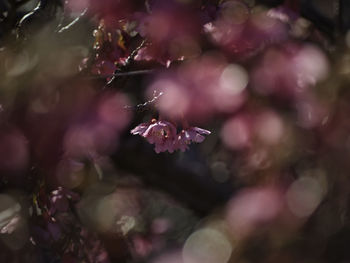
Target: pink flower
point(160, 133)
point(170, 38)
point(252, 208)
point(242, 32)
point(186, 137)
point(163, 135)
point(199, 89)
point(140, 129)
point(289, 71)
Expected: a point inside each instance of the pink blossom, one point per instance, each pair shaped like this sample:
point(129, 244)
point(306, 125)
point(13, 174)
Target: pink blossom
point(193, 134)
point(141, 246)
point(159, 133)
point(242, 32)
point(201, 88)
point(89, 140)
point(171, 38)
point(252, 208)
point(98, 133)
point(289, 70)
point(163, 135)
point(236, 132)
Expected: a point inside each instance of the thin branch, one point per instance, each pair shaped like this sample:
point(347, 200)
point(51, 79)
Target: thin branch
point(146, 105)
point(76, 20)
point(123, 74)
point(134, 53)
point(136, 72)
point(127, 62)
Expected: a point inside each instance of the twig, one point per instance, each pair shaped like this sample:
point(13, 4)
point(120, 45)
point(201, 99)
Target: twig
point(76, 20)
point(123, 74)
point(127, 63)
point(42, 13)
point(144, 106)
point(134, 53)
point(136, 72)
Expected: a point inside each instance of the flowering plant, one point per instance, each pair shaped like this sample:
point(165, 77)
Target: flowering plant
point(240, 111)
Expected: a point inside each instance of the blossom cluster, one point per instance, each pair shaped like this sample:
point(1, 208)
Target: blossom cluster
point(165, 138)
